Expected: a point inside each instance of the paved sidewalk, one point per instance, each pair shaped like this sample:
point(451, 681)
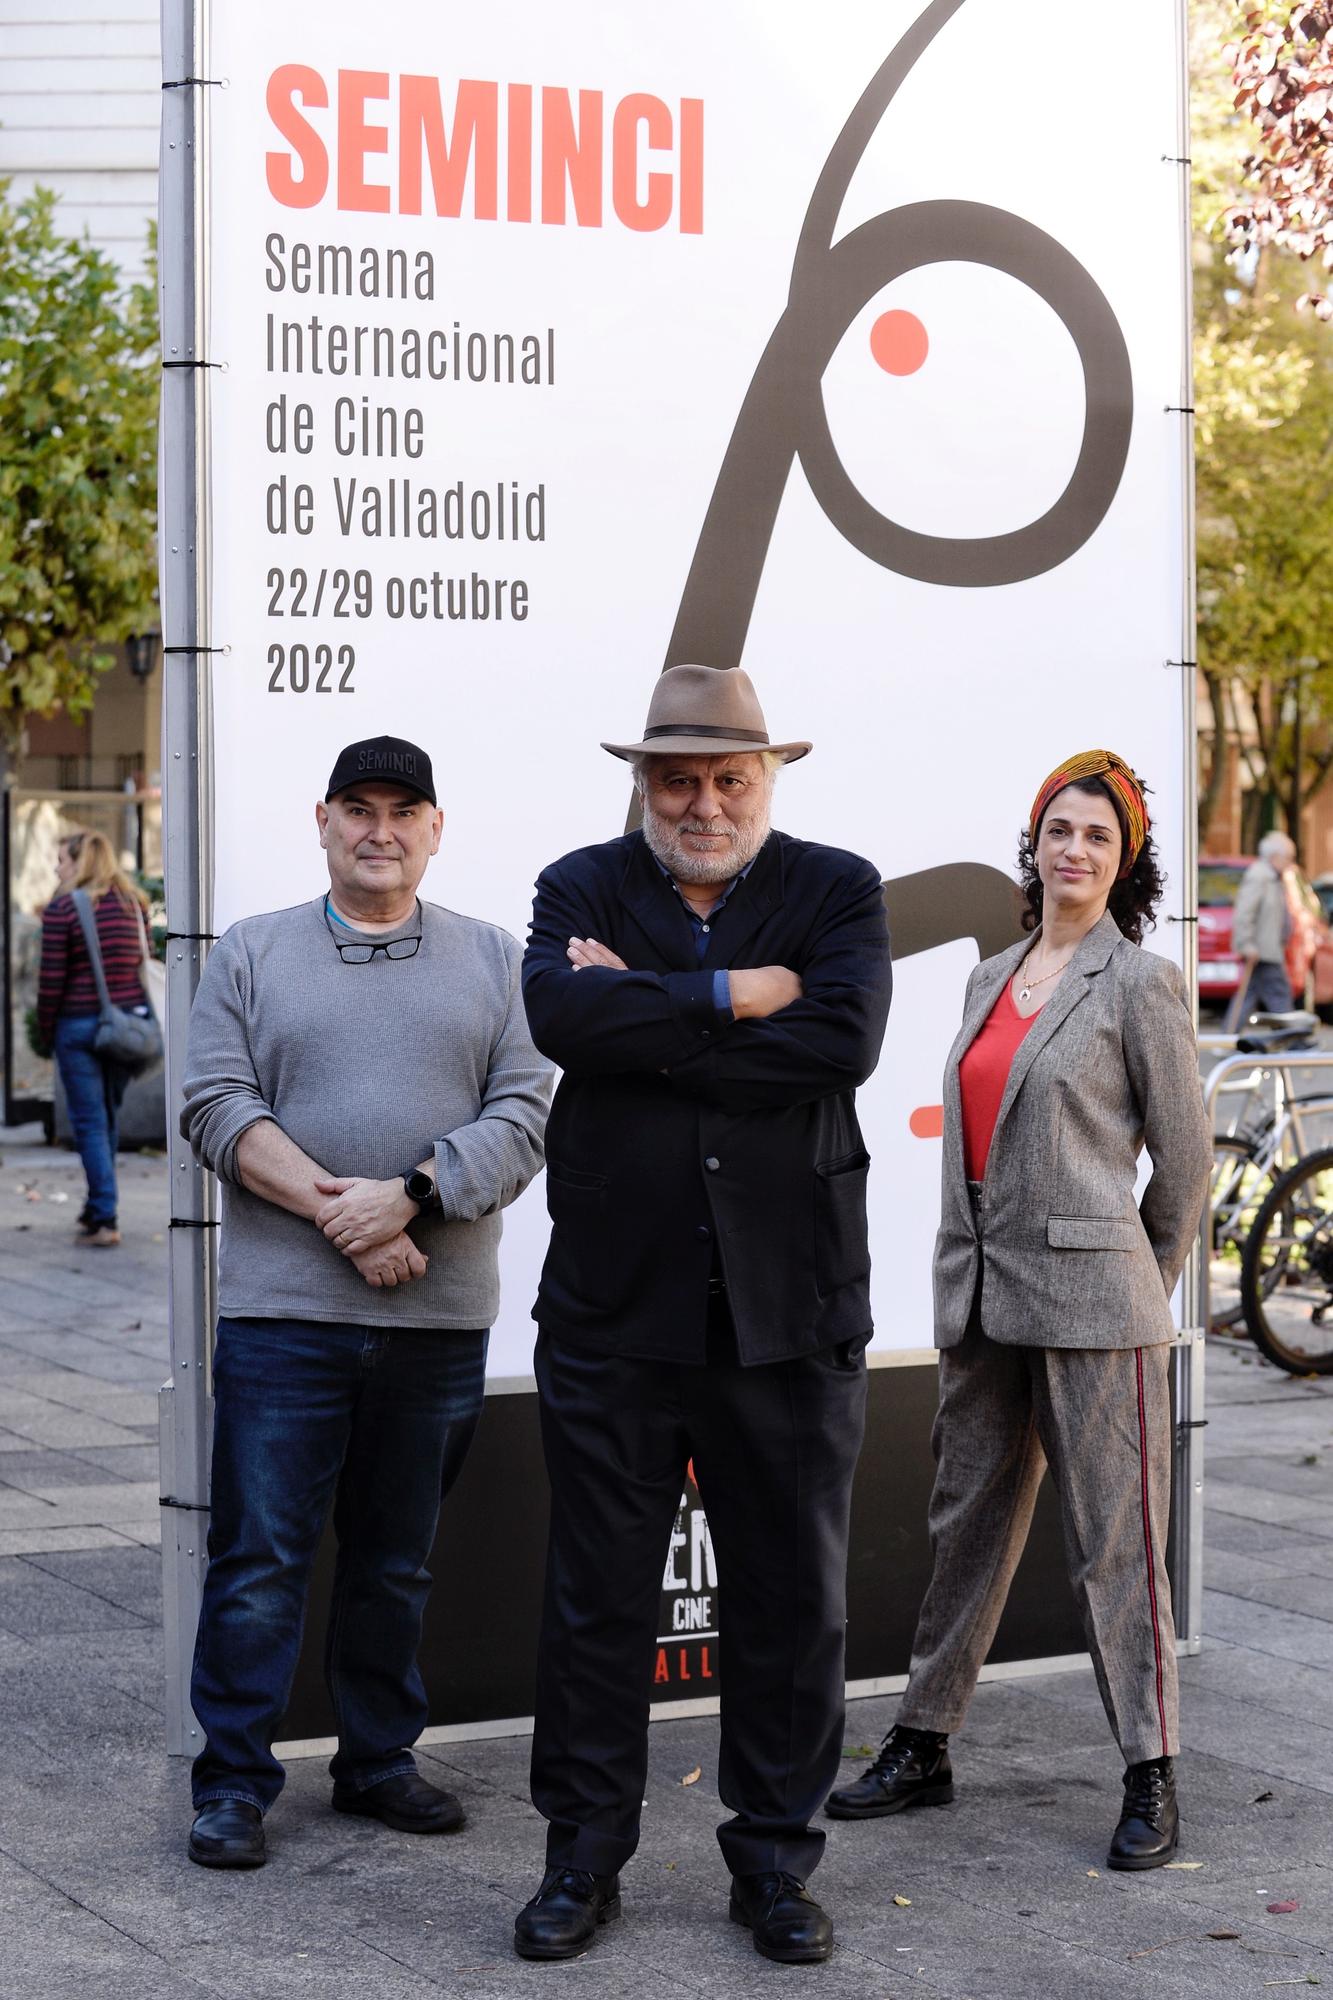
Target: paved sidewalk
point(1003, 1894)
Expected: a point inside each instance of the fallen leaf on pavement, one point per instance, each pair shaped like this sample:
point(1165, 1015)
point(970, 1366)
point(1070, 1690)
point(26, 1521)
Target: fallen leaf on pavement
point(1184, 1864)
point(1262, 1799)
point(1282, 1909)
point(1093, 1876)
point(693, 1777)
point(903, 1902)
point(1223, 1935)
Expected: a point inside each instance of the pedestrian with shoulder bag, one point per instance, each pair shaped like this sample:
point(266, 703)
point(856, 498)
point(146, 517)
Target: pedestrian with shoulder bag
point(93, 1011)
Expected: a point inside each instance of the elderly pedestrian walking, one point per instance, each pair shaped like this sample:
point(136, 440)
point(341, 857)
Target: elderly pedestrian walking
point(1260, 928)
point(1052, 1297)
point(715, 992)
point(361, 1078)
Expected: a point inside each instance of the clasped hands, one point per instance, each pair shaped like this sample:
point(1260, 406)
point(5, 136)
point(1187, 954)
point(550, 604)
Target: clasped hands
point(365, 1221)
point(756, 991)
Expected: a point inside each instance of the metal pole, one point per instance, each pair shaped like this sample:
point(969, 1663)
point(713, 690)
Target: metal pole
point(1187, 1583)
point(187, 824)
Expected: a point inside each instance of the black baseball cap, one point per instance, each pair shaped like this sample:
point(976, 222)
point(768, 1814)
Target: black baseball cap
point(383, 760)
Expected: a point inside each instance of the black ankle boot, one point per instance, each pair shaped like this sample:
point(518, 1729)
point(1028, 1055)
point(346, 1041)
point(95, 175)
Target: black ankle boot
point(1149, 1828)
point(912, 1769)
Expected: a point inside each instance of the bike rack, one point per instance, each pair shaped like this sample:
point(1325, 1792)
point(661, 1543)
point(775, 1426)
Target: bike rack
point(1282, 1061)
point(1190, 1349)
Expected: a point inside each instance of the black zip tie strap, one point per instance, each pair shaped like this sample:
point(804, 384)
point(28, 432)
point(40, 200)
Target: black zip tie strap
point(191, 937)
point(192, 364)
point(188, 82)
point(1182, 920)
point(183, 1222)
point(184, 1506)
point(1180, 663)
point(1180, 409)
point(167, 650)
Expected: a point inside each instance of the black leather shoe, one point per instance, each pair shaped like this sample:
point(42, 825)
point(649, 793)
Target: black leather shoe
point(562, 1918)
point(912, 1769)
point(785, 1920)
point(1149, 1829)
point(406, 1802)
point(227, 1833)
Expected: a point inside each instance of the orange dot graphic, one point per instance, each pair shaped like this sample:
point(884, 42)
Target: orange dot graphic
point(927, 1121)
point(899, 343)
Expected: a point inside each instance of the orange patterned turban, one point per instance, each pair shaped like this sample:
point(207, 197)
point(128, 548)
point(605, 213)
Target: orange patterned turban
point(1099, 764)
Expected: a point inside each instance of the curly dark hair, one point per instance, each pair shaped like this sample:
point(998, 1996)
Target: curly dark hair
point(1133, 901)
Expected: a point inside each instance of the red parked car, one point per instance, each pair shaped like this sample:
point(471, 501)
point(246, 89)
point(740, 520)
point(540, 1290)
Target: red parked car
point(1309, 948)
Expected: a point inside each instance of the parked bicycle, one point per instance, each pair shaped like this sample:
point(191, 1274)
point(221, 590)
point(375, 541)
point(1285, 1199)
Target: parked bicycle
point(1269, 1135)
point(1287, 1269)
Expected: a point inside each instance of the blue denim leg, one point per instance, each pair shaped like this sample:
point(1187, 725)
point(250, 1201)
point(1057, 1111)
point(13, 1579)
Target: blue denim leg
point(302, 1409)
point(93, 1100)
point(420, 1402)
point(285, 1393)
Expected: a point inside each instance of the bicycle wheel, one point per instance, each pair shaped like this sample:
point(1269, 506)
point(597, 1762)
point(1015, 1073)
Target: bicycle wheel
point(1286, 1278)
point(1236, 1194)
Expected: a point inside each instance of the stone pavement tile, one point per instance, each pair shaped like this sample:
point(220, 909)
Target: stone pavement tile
point(1218, 1723)
point(34, 1603)
point(134, 1409)
point(123, 1461)
point(57, 1426)
point(132, 1578)
point(1227, 1532)
point(48, 1541)
point(126, 1660)
point(1283, 1634)
point(39, 1469)
point(126, 1500)
point(1292, 1474)
point(1304, 1592)
point(1272, 1687)
point(1256, 1503)
point(148, 1534)
point(57, 1949)
point(101, 1359)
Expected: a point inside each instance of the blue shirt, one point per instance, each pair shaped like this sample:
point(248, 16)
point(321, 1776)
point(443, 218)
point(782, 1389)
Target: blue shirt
point(703, 931)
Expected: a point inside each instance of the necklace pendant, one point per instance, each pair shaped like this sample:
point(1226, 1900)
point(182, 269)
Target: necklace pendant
point(1024, 995)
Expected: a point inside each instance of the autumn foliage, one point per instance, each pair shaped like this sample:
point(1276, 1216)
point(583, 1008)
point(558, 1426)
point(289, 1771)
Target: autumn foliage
point(1283, 75)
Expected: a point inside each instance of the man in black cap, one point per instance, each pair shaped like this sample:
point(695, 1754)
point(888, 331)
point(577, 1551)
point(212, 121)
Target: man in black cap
point(361, 1079)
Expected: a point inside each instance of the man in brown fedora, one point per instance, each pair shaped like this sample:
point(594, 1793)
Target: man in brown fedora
point(714, 992)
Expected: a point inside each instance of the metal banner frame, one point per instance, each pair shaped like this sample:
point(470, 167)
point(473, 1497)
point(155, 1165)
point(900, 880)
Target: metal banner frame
point(188, 651)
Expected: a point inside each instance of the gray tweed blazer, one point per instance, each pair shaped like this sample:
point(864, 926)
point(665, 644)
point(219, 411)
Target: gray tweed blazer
point(1065, 1255)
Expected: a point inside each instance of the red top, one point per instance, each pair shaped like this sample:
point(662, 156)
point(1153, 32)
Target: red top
point(983, 1074)
point(66, 984)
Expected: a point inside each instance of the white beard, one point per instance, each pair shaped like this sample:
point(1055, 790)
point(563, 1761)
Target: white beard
point(664, 841)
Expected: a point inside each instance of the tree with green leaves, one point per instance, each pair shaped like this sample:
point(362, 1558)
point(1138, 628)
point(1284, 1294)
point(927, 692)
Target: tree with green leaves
point(78, 469)
point(1264, 421)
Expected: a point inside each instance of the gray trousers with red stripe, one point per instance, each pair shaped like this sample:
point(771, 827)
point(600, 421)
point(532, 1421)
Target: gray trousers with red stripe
point(1101, 1419)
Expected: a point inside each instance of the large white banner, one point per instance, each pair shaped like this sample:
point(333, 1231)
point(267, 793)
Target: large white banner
point(565, 342)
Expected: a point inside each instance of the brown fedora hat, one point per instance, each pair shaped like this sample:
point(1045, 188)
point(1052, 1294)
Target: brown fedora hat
point(704, 712)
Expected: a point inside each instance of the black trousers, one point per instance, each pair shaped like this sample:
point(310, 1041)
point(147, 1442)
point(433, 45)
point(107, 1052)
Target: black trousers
point(774, 1450)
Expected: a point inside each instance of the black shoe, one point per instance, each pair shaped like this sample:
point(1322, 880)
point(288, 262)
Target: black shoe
point(562, 1918)
point(1149, 1829)
point(784, 1918)
point(406, 1802)
point(227, 1833)
point(912, 1769)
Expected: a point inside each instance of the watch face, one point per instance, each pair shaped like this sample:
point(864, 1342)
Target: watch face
point(420, 1186)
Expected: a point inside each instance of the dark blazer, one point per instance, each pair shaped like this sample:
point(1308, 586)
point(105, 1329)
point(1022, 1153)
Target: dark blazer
point(674, 1137)
point(1068, 1256)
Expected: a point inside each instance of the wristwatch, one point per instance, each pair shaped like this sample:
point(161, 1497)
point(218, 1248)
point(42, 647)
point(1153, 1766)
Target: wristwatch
point(422, 1190)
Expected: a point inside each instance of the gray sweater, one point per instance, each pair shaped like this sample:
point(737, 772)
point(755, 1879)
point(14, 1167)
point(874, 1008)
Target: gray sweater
point(369, 1069)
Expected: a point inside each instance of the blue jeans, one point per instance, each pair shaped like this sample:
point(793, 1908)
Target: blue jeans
point(93, 1092)
point(1269, 990)
point(379, 1421)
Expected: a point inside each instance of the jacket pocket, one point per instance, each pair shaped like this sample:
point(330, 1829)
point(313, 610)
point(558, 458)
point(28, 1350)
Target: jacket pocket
point(1091, 1232)
point(842, 1242)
